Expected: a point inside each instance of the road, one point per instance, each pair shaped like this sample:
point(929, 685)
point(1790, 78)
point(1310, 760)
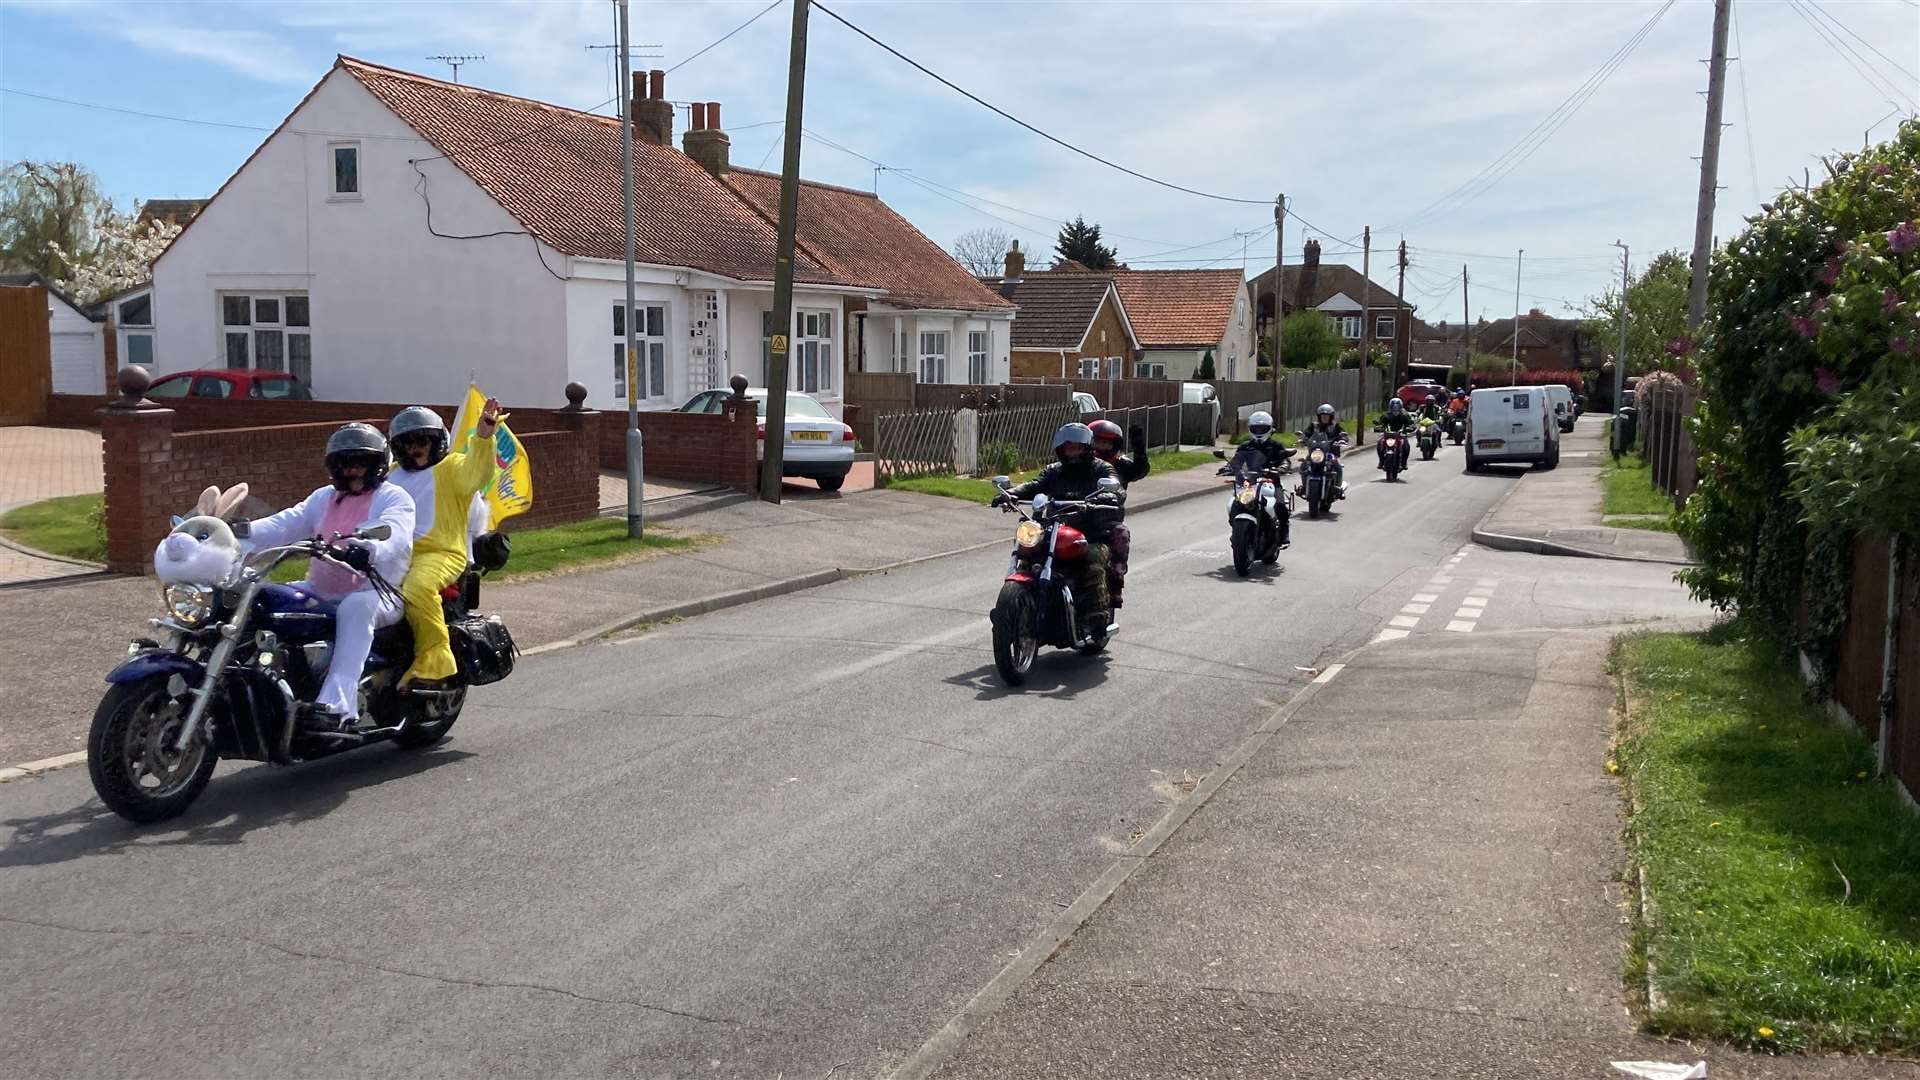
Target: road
point(797, 835)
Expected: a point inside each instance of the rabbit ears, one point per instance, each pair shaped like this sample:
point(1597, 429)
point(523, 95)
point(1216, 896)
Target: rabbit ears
point(220, 504)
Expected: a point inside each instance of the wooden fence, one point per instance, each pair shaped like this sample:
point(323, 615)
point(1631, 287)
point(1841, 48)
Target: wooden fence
point(1115, 393)
point(1666, 410)
point(26, 367)
point(912, 444)
point(873, 394)
point(1016, 438)
point(1883, 700)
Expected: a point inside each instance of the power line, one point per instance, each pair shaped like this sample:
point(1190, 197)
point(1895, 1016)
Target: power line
point(1509, 258)
point(1835, 20)
point(1746, 109)
point(976, 99)
point(1848, 54)
point(1501, 167)
point(723, 38)
point(204, 123)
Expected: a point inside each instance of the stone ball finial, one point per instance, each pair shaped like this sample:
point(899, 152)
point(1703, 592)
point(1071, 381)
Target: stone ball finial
point(133, 382)
point(739, 384)
point(576, 396)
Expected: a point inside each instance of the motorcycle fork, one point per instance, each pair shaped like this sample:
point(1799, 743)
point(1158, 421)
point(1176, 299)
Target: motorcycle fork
point(216, 665)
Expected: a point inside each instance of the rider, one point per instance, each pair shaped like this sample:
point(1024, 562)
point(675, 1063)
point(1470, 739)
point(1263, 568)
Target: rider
point(1128, 467)
point(356, 464)
point(1259, 453)
point(1397, 421)
point(1432, 410)
point(1327, 422)
point(1076, 476)
point(445, 487)
point(1458, 406)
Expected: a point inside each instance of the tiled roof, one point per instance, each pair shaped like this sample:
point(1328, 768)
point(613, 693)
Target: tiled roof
point(1178, 309)
point(557, 171)
point(859, 237)
point(1331, 280)
point(1055, 309)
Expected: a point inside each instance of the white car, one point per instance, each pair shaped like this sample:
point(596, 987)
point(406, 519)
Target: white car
point(817, 447)
point(1086, 403)
point(1511, 424)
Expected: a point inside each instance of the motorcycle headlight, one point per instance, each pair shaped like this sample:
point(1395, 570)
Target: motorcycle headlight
point(1317, 456)
point(1028, 534)
point(1246, 494)
point(190, 605)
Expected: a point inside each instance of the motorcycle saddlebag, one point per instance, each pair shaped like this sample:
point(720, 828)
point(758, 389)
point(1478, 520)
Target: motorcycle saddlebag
point(483, 648)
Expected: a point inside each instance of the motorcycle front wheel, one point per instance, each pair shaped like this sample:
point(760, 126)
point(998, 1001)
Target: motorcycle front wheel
point(1015, 640)
point(130, 755)
point(1242, 546)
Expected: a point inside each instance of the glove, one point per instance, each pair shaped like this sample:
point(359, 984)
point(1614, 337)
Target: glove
point(358, 556)
point(1137, 439)
point(1002, 499)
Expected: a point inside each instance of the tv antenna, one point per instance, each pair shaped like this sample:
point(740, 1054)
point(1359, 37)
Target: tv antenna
point(454, 62)
point(634, 52)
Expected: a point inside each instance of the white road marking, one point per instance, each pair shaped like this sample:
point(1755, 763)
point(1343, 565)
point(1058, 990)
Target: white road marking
point(1468, 613)
point(1407, 621)
point(1390, 635)
point(34, 768)
point(1474, 601)
point(1327, 675)
point(1425, 597)
point(1460, 626)
point(1441, 580)
point(1415, 609)
point(1488, 582)
point(1480, 590)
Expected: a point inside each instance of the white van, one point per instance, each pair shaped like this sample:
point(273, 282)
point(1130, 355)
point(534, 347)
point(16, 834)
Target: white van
point(1561, 397)
point(1511, 424)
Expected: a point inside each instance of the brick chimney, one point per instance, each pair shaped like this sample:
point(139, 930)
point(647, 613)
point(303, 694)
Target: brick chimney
point(704, 142)
point(1309, 275)
point(651, 111)
point(1016, 262)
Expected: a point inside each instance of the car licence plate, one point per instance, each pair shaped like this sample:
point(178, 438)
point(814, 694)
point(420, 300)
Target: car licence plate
point(809, 436)
point(1489, 444)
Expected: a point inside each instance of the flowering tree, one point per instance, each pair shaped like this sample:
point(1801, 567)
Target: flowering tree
point(120, 255)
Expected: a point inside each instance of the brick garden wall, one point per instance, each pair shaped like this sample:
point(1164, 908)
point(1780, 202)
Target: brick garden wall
point(718, 449)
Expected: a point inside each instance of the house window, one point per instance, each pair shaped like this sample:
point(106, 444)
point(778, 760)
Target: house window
point(1144, 370)
point(135, 317)
point(978, 368)
point(1090, 367)
point(812, 352)
point(933, 356)
point(1383, 327)
point(268, 332)
point(649, 351)
point(1349, 326)
point(343, 159)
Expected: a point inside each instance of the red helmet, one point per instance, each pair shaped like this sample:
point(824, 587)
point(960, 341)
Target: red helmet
point(1107, 438)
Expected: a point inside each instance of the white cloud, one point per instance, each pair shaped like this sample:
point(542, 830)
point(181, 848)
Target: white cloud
point(252, 53)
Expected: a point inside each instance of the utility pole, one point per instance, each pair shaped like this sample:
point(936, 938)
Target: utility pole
point(1399, 316)
point(1366, 334)
point(1466, 329)
point(1279, 296)
point(1709, 166)
point(1513, 373)
point(773, 464)
point(636, 490)
point(1620, 359)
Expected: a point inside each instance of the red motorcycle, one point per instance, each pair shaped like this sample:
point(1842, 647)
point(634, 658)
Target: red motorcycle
point(1037, 605)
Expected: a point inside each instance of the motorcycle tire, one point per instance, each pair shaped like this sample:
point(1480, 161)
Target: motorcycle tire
point(1242, 546)
point(1271, 553)
point(428, 720)
point(1015, 640)
point(124, 717)
point(1426, 453)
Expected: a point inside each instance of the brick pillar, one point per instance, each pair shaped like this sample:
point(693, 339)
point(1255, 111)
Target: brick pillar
point(137, 450)
point(582, 496)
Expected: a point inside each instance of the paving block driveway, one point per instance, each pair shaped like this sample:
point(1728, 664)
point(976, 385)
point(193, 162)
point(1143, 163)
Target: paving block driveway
point(44, 463)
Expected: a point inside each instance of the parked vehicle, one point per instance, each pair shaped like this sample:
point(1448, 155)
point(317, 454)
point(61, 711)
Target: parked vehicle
point(1415, 392)
point(818, 447)
point(1319, 457)
point(237, 661)
point(231, 383)
point(1086, 403)
point(1428, 438)
point(1257, 516)
point(1561, 398)
point(1511, 424)
point(1036, 605)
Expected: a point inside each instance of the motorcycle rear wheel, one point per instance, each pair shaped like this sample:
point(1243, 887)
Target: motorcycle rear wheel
point(429, 720)
point(130, 758)
point(1242, 546)
point(1015, 640)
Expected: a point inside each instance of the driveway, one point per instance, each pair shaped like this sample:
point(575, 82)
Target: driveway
point(44, 463)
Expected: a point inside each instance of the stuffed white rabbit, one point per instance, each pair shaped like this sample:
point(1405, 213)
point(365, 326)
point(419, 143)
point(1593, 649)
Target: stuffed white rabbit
point(201, 549)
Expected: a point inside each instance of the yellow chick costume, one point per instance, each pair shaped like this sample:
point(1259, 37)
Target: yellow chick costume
point(443, 496)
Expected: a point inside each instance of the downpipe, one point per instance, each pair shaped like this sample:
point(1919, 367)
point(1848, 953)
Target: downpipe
point(1889, 655)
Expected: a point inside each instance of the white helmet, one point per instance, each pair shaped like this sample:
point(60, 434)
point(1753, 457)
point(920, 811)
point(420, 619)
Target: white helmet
point(1259, 426)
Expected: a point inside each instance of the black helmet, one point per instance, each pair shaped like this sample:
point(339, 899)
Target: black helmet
point(1072, 433)
point(418, 420)
point(357, 444)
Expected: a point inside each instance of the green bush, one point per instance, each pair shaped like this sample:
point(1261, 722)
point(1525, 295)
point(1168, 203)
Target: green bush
point(1000, 458)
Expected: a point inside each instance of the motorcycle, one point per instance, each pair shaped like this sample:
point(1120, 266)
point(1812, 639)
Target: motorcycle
point(1429, 438)
point(1036, 605)
point(1457, 427)
point(1393, 451)
point(1258, 516)
point(1317, 485)
point(238, 662)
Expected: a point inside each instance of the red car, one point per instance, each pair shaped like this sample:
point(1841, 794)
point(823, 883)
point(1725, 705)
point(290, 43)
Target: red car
point(231, 383)
point(1414, 394)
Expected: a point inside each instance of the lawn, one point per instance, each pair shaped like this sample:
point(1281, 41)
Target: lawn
point(1783, 875)
point(71, 527)
point(982, 491)
point(1629, 489)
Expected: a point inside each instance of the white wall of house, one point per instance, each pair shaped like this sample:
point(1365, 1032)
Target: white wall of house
point(396, 314)
point(591, 346)
point(893, 341)
point(1236, 358)
point(77, 345)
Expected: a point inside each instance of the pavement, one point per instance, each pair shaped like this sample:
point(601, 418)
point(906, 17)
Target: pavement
point(44, 463)
point(1557, 511)
point(808, 836)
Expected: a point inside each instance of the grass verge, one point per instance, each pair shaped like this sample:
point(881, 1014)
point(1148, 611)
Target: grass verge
point(1629, 489)
point(1649, 524)
point(982, 491)
point(560, 549)
point(1783, 876)
point(71, 526)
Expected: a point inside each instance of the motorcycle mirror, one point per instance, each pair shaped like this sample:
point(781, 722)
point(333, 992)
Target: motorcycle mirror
point(373, 531)
point(1040, 502)
point(1108, 483)
point(1002, 481)
point(242, 529)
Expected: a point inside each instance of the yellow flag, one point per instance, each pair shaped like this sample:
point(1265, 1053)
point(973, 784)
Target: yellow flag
point(511, 490)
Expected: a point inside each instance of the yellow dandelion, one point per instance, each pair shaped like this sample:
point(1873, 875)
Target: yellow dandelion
point(1766, 1033)
point(1613, 767)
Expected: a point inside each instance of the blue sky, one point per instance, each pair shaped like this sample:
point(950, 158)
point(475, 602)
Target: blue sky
point(1363, 112)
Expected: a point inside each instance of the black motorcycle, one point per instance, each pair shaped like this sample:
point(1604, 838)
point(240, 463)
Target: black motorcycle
point(1457, 427)
point(1320, 457)
point(1258, 516)
point(1037, 605)
point(236, 667)
point(1394, 450)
